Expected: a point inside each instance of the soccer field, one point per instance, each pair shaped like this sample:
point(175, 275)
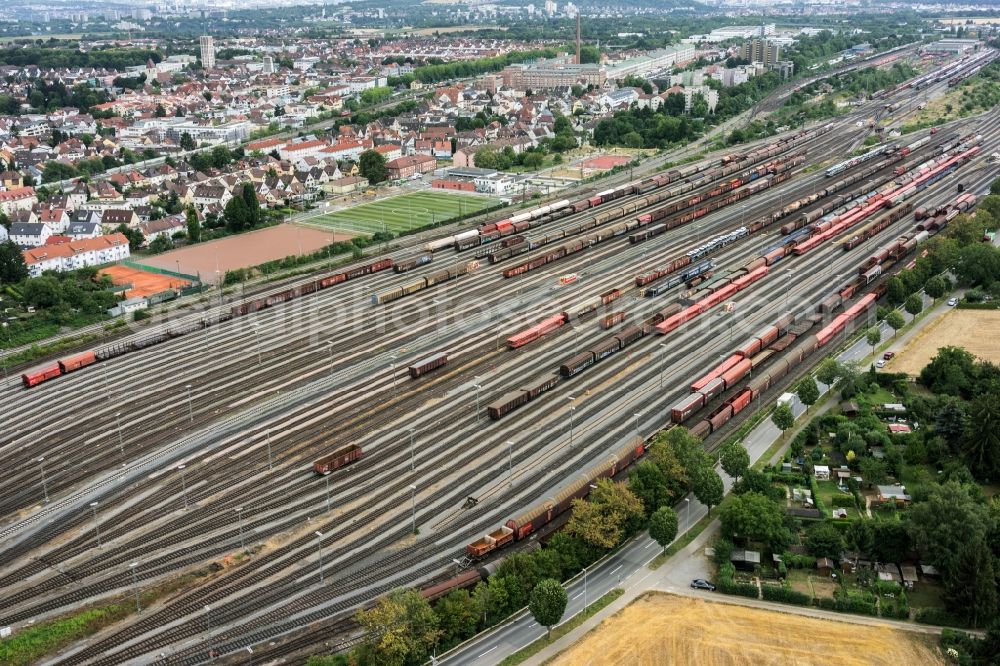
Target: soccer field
point(404, 212)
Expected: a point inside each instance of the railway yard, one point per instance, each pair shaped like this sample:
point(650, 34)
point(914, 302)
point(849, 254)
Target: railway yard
point(477, 383)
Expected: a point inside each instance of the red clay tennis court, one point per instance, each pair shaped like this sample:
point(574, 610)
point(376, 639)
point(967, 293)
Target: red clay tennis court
point(242, 251)
point(143, 283)
point(605, 162)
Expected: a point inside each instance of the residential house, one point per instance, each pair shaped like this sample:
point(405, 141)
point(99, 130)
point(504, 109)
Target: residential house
point(17, 198)
point(56, 218)
point(32, 234)
point(82, 230)
point(114, 217)
point(77, 254)
point(346, 185)
point(411, 165)
point(167, 226)
point(208, 195)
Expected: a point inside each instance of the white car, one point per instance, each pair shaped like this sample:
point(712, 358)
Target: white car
point(880, 363)
point(952, 302)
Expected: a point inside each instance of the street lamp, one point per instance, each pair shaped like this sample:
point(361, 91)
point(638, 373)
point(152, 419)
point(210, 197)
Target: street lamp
point(239, 518)
point(256, 334)
point(572, 412)
point(663, 350)
point(510, 463)
point(190, 406)
point(319, 549)
point(477, 387)
point(411, 450)
point(45, 485)
point(184, 488)
point(208, 630)
point(637, 423)
point(97, 526)
point(687, 511)
point(327, 493)
point(135, 586)
point(121, 442)
point(413, 507)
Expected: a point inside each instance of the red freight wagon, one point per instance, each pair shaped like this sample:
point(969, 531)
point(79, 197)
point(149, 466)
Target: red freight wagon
point(337, 459)
point(718, 420)
point(507, 403)
point(426, 365)
point(612, 319)
point(749, 348)
point(77, 361)
point(683, 410)
point(609, 296)
point(740, 400)
point(545, 326)
point(39, 375)
point(716, 372)
point(736, 373)
point(497, 539)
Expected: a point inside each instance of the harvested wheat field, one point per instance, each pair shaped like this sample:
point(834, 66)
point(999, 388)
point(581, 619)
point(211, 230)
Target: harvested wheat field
point(661, 628)
point(976, 330)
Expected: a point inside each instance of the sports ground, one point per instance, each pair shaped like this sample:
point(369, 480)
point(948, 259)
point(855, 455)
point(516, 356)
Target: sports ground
point(402, 213)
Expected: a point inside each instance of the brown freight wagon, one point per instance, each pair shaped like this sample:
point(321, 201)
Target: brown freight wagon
point(612, 319)
point(496, 539)
point(507, 403)
point(424, 366)
point(337, 459)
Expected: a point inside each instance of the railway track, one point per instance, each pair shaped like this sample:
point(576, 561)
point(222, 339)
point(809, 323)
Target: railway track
point(454, 459)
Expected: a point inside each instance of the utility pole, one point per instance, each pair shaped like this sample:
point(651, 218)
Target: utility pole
point(413, 507)
point(239, 518)
point(319, 549)
point(97, 526)
point(572, 412)
point(135, 586)
point(327, 477)
point(190, 407)
point(510, 464)
point(121, 442)
point(411, 450)
point(184, 489)
point(45, 485)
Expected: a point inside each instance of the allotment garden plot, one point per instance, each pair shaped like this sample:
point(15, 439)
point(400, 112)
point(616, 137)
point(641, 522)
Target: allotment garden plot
point(403, 213)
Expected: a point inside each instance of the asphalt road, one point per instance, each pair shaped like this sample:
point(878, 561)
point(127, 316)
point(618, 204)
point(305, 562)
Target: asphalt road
point(629, 561)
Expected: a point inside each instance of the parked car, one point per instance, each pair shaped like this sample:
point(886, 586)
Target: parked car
point(702, 584)
point(889, 355)
point(880, 363)
point(952, 302)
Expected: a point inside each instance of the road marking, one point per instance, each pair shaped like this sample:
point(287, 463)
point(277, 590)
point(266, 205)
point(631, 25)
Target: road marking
point(616, 568)
point(647, 545)
point(487, 652)
point(578, 596)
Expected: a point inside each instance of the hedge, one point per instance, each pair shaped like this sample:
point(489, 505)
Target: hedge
point(793, 561)
point(817, 502)
point(785, 595)
point(845, 501)
point(848, 605)
point(938, 616)
point(728, 585)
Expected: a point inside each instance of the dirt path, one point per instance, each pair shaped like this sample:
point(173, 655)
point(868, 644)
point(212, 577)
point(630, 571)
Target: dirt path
point(666, 629)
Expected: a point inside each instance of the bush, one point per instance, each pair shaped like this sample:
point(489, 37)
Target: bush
point(846, 501)
point(888, 587)
point(139, 315)
point(785, 595)
point(938, 616)
point(794, 561)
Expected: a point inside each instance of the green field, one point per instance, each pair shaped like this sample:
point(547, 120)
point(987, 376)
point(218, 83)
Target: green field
point(404, 212)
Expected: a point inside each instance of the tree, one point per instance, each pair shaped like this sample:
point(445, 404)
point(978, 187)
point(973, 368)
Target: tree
point(873, 470)
point(187, 143)
point(161, 244)
point(943, 525)
point(193, 225)
point(873, 337)
point(611, 513)
point(755, 517)
point(647, 482)
point(972, 589)
point(936, 287)
point(824, 540)
point(828, 371)
point(913, 304)
point(687, 449)
point(12, 266)
point(236, 215)
point(807, 391)
point(981, 443)
point(707, 486)
point(735, 459)
point(895, 291)
point(675, 477)
point(860, 536)
point(372, 166)
point(42, 292)
point(548, 603)
point(252, 203)
point(401, 628)
point(895, 320)
point(134, 236)
point(663, 526)
point(783, 418)
point(160, 112)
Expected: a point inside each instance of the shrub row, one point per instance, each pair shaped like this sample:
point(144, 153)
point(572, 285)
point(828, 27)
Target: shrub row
point(785, 595)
